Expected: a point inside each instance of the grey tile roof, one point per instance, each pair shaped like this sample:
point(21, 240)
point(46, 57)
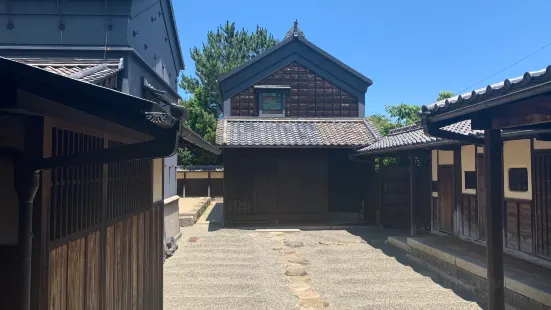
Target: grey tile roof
point(73, 66)
point(295, 132)
point(410, 137)
point(201, 168)
point(529, 79)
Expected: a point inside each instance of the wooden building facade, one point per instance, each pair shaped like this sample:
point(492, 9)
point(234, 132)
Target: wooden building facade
point(82, 219)
point(512, 202)
point(456, 195)
point(200, 181)
point(292, 117)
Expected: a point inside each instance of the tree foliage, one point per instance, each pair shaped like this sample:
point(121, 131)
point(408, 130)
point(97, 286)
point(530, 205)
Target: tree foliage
point(398, 116)
point(203, 122)
point(444, 95)
point(225, 49)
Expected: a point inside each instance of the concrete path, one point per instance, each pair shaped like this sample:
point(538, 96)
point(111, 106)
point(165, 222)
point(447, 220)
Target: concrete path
point(326, 269)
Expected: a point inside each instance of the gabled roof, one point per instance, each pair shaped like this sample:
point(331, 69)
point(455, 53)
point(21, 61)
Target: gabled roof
point(490, 92)
point(411, 137)
point(294, 132)
point(294, 48)
point(87, 70)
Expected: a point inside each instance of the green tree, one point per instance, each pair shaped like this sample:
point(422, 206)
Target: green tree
point(203, 122)
point(404, 114)
point(225, 49)
point(444, 95)
point(383, 123)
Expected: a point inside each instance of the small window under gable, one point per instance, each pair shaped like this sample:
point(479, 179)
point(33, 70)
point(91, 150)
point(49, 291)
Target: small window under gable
point(271, 100)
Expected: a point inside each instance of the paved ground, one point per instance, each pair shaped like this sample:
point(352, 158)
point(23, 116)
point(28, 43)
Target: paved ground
point(334, 269)
point(186, 204)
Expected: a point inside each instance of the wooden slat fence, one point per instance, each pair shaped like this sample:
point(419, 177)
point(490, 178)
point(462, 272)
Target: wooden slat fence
point(104, 248)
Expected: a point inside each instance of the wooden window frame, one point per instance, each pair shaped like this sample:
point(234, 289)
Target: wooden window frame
point(260, 94)
point(470, 179)
point(518, 189)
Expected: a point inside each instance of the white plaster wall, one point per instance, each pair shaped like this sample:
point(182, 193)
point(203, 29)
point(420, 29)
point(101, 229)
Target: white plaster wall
point(467, 164)
point(542, 145)
point(171, 216)
point(516, 154)
point(480, 149)
point(170, 164)
point(445, 157)
point(157, 179)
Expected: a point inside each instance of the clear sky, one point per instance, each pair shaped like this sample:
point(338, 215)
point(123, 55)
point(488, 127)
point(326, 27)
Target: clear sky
point(411, 50)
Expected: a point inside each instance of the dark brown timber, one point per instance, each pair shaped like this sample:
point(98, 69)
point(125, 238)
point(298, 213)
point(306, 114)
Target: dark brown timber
point(493, 152)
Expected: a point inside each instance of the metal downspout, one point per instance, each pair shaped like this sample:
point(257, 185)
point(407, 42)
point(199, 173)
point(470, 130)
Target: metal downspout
point(26, 183)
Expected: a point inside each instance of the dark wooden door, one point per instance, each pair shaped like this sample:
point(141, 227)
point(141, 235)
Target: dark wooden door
point(481, 195)
point(542, 203)
point(446, 194)
point(394, 195)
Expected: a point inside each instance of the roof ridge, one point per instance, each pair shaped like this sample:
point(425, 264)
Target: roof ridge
point(497, 88)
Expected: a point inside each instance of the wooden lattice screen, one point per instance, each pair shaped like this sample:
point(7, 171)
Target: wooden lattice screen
point(76, 192)
point(129, 186)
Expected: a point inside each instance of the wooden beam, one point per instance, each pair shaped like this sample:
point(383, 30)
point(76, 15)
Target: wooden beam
point(532, 111)
point(493, 151)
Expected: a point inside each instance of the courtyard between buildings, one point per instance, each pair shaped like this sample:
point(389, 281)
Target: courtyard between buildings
point(346, 268)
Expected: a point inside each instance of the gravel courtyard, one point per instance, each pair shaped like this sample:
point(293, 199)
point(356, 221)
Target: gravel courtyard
point(324, 269)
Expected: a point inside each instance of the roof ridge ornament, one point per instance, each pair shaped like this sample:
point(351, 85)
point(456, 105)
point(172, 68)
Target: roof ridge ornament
point(294, 32)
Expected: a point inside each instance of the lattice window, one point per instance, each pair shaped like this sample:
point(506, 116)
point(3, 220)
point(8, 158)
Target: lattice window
point(129, 186)
point(518, 179)
point(470, 180)
point(76, 192)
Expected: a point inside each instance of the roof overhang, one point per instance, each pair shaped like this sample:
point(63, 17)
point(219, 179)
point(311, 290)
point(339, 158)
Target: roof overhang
point(492, 101)
point(131, 112)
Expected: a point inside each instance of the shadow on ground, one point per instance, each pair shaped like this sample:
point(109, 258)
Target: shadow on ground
point(376, 237)
point(216, 217)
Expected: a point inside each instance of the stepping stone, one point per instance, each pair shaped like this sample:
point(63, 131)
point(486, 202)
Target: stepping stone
point(295, 271)
point(298, 260)
point(307, 294)
point(276, 233)
point(299, 286)
point(299, 279)
point(294, 244)
point(312, 304)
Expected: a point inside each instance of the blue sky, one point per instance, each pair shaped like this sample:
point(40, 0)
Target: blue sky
point(411, 50)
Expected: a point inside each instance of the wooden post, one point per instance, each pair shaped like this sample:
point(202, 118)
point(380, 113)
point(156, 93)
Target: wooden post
point(208, 190)
point(184, 186)
point(493, 152)
point(413, 215)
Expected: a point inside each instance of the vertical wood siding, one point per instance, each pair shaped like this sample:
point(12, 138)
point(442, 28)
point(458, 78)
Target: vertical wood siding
point(125, 272)
point(310, 95)
point(542, 204)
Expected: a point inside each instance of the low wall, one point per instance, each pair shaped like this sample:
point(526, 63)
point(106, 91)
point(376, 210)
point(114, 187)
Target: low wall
point(171, 217)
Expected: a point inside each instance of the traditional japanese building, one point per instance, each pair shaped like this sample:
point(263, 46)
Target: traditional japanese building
point(89, 118)
point(452, 202)
point(291, 118)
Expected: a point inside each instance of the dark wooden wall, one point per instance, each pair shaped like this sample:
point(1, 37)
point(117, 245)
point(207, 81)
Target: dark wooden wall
point(101, 235)
point(310, 96)
point(200, 187)
point(395, 190)
point(286, 185)
point(348, 182)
